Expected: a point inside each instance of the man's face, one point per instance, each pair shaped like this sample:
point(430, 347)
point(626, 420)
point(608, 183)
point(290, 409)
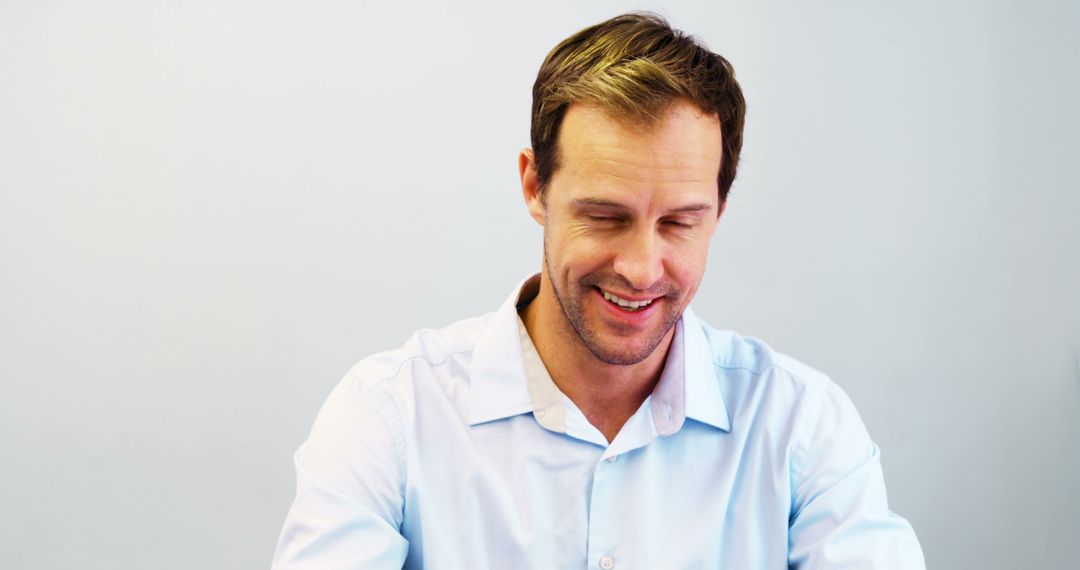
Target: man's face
point(627, 219)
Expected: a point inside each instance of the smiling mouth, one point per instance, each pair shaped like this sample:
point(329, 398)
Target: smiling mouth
point(625, 305)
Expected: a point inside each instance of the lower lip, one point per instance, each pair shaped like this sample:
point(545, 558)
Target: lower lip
point(636, 317)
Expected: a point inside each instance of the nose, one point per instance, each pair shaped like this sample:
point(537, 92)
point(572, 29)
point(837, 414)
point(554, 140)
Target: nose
point(640, 259)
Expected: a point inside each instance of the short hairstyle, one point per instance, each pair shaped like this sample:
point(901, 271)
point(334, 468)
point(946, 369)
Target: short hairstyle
point(634, 66)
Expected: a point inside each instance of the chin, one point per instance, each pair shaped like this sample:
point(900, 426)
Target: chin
point(612, 350)
point(622, 357)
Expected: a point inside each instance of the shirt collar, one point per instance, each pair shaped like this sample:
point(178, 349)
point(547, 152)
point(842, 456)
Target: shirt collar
point(704, 399)
point(498, 387)
point(501, 386)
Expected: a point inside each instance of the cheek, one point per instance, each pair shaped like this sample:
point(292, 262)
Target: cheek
point(688, 264)
point(566, 261)
point(576, 244)
point(582, 257)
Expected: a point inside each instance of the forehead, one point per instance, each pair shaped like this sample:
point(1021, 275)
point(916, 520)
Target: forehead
point(679, 152)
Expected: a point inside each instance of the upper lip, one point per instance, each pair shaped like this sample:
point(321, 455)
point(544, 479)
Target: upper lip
point(629, 298)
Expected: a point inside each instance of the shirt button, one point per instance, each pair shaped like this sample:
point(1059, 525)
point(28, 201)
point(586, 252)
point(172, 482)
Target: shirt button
point(612, 458)
point(607, 562)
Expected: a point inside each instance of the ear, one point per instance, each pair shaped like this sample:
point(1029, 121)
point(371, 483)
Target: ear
point(529, 188)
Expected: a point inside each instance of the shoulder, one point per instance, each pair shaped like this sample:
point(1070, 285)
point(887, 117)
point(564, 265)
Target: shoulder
point(363, 425)
point(760, 383)
point(432, 365)
point(733, 352)
point(425, 348)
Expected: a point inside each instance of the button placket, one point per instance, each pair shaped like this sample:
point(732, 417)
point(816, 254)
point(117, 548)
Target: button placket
point(603, 513)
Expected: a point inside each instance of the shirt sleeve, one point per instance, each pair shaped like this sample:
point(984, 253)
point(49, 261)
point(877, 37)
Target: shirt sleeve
point(840, 516)
point(349, 487)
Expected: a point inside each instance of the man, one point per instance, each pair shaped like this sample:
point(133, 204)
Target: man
point(594, 421)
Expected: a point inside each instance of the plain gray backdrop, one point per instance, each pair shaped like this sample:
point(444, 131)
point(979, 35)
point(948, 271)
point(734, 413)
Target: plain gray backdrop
point(210, 209)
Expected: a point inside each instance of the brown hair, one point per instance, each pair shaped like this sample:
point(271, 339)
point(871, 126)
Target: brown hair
point(634, 65)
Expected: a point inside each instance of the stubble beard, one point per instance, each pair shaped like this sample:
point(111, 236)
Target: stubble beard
point(571, 305)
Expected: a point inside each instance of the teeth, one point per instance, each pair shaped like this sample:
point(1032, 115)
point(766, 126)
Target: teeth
point(625, 303)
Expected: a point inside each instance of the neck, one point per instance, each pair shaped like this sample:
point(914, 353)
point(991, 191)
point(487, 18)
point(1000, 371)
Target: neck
point(608, 394)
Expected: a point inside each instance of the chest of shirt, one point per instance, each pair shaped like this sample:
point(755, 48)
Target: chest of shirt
point(513, 494)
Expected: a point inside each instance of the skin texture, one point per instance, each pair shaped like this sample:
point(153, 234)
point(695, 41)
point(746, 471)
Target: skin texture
point(630, 211)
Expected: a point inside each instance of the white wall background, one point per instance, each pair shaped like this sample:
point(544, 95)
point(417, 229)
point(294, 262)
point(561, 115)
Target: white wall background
point(210, 209)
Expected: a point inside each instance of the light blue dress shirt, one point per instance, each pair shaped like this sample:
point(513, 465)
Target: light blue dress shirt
point(457, 451)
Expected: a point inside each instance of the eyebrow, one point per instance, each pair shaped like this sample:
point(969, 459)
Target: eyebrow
point(600, 202)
